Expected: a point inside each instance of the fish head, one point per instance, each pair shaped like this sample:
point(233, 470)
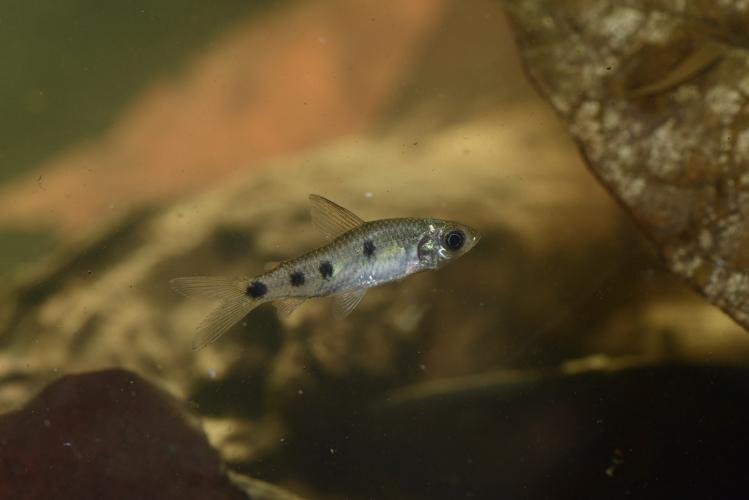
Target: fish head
point(444, 242)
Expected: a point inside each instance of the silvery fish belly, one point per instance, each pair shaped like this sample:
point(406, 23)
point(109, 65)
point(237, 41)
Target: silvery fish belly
point(360, 255)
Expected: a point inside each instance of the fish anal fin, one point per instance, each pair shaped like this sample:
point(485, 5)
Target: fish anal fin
point(332, 219)
point(346, 302)
point(288, 305)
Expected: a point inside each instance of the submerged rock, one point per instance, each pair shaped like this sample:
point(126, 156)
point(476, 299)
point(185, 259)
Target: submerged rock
point(108, 434)
point(615, 432)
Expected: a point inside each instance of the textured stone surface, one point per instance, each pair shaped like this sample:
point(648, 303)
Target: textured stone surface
point(657, 95)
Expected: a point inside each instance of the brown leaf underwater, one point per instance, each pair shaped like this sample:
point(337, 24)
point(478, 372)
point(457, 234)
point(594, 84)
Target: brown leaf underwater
point(655, 93)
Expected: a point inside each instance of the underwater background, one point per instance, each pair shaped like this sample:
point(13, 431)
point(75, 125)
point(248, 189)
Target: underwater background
point(566, 356)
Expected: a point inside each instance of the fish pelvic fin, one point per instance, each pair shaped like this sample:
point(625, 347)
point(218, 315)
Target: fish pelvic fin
point(346, 302)
point(236, 302)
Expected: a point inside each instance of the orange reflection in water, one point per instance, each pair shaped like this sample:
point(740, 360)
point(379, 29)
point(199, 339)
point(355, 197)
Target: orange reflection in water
point(296, 78)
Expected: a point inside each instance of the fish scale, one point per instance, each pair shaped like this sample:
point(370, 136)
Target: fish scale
point(394, 256)
point(359, 256)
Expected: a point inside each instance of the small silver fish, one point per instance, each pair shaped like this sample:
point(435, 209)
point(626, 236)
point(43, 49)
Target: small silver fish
point(360, 255)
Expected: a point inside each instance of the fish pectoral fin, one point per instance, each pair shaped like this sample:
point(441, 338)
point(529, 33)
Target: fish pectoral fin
point(332, 219)
point(288, 305)
point(346, 302)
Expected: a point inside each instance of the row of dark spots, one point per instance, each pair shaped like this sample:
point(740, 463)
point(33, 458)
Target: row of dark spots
point(326, 268)
point(297, 278)
point(257, 289)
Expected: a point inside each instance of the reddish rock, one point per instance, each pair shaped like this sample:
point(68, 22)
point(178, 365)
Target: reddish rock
point(107, 434)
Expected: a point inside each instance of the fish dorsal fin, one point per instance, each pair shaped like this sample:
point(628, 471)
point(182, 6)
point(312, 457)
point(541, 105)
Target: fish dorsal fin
point(333, 220)
point(346, 302)
point(271, 265)
point(288, 305)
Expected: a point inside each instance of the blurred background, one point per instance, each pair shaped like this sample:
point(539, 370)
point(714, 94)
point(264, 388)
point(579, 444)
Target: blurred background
point(149, 140)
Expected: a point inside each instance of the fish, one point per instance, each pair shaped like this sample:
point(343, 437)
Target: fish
point(359, 255)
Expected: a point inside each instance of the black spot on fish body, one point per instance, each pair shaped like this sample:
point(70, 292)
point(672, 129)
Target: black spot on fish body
point(326, 269)
point(369, 248)
point(296, 278)
point(257, 289)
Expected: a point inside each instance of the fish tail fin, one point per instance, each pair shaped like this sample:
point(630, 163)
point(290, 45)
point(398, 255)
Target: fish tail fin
point(235, 304)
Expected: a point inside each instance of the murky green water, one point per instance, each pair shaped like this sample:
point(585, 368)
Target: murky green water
point(557, 359)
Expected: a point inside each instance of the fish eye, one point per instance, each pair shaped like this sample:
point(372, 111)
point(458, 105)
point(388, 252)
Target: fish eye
point(454, 239)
